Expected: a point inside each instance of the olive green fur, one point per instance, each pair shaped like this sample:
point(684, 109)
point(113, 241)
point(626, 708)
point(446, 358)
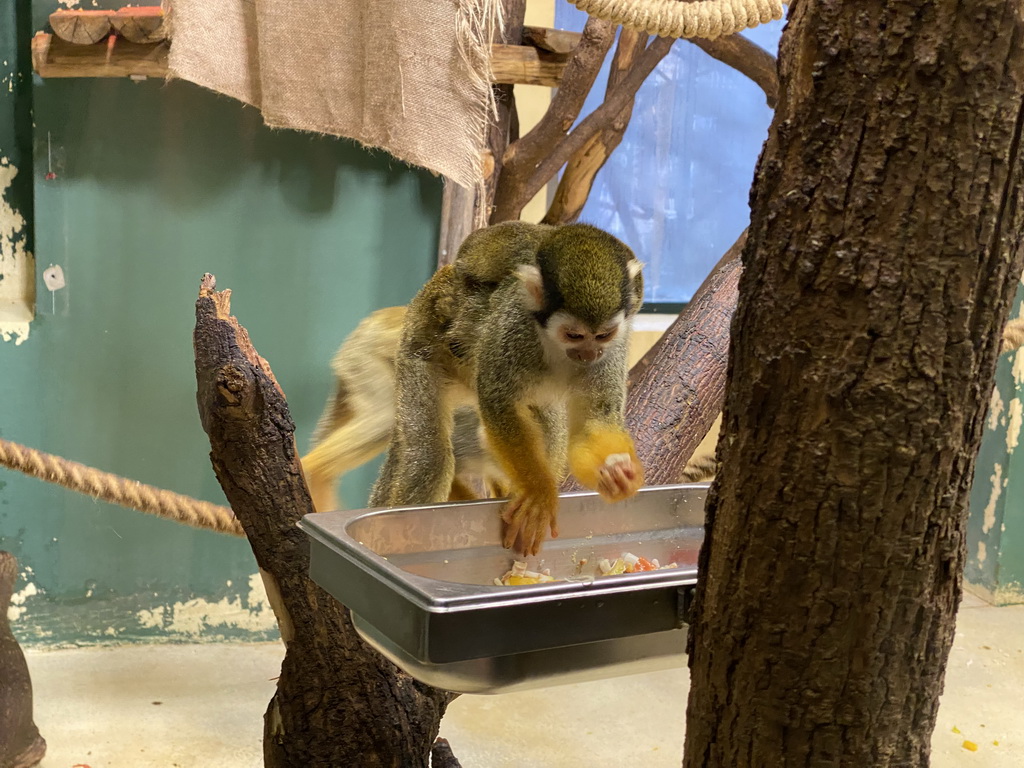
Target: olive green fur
point(472, 337)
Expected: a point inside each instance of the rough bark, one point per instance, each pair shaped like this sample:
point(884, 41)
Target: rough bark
point(21, 746)
point(883, 254)
point(338, 703)
point(677, 387)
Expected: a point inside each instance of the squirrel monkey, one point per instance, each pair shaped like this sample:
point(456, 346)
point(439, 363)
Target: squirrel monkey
point(357, 421)
point(530, 327)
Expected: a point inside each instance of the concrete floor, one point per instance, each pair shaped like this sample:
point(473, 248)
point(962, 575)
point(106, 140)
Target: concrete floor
point(200, 706)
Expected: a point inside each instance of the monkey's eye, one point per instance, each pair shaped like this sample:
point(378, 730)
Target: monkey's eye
point(605, 336)
point(573, 336)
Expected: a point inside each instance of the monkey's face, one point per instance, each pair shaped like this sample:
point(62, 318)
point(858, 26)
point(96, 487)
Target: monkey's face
point(581, 342)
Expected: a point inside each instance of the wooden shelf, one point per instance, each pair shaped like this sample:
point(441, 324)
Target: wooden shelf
point(541, 62)
point(114, 57)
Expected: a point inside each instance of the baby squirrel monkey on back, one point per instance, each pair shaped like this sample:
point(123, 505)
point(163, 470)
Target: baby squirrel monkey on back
point(530, 326)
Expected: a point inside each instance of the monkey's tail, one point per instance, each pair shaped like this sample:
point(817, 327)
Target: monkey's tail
point(353, 442)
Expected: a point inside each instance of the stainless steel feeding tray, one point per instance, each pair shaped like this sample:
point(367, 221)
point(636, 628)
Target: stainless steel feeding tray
point(419, 582)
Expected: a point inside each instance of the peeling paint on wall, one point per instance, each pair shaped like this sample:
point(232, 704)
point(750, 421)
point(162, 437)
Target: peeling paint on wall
point(1009, 594)
point(1014, 425)
point(1018, 366)
point(17, 266)
point(990, 508)
point(17, 606)
point(995, 409)
point(192, 618)
point(982, 552)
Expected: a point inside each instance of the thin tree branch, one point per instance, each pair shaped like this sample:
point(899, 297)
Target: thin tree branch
point(578, 178)
point(676, 389)
point(523, 155)
point(546, 168)
point(746, 57)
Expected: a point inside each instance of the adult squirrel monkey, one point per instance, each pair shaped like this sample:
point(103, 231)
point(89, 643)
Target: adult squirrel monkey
point(530, 327)
point(357, 421)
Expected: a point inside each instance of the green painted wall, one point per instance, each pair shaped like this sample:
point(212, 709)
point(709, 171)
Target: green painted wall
point(157, 184)
point(995, 536)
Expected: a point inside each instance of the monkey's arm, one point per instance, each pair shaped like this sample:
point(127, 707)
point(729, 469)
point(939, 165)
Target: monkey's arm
point(420, 463)
point(602, 456)
point(517, 442)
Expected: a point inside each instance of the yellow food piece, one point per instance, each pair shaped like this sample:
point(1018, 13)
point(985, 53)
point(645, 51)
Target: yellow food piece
point(955, 729)
point(619, 566)
point(970, 746)
point(518, 581)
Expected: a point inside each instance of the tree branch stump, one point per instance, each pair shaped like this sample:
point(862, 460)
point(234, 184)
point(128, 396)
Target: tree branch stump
point(21, 746)
point(338, 702)
point(677, 388)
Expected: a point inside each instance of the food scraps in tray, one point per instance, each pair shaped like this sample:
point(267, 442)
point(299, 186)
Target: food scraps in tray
point(519, 575)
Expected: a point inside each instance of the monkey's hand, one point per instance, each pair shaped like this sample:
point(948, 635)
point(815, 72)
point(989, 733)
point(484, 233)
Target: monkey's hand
point(619, 477)
point(606, 461)
point(527, 516)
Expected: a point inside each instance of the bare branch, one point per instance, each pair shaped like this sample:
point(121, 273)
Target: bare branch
point(578, 179)
point(517, 194)
point(746, 57)
point(522, 156)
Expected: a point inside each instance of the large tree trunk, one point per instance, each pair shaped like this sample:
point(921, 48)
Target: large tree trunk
point(883, 254)
point(338, 703)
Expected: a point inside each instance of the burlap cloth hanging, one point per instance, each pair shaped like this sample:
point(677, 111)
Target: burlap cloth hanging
point(408, 76)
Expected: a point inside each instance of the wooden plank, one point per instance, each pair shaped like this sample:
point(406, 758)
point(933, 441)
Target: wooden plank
point(551, 40)
point(526, 65)
point(53, 57)
point(117, 57)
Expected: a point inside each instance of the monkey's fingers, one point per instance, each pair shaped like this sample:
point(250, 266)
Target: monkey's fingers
point(619, 478)
point(509, 510)
point(527, 524)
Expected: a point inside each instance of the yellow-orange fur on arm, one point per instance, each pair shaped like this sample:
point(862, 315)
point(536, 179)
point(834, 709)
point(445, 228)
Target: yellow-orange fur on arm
point(588, 456)
point(533, 504)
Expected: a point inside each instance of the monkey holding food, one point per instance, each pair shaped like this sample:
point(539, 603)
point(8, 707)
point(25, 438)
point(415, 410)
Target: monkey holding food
point(529, 327)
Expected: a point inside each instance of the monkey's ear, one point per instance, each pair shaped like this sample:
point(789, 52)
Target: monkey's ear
point(633, 268)
point(533, 286)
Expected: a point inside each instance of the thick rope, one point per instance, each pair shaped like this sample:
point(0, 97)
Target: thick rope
point(1013, 335)
point(119, 490)
point(675, 18)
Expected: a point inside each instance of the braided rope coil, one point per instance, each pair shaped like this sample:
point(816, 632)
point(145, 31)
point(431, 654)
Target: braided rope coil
point(1013, 335)
point(119, 490)
point(673, 18)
